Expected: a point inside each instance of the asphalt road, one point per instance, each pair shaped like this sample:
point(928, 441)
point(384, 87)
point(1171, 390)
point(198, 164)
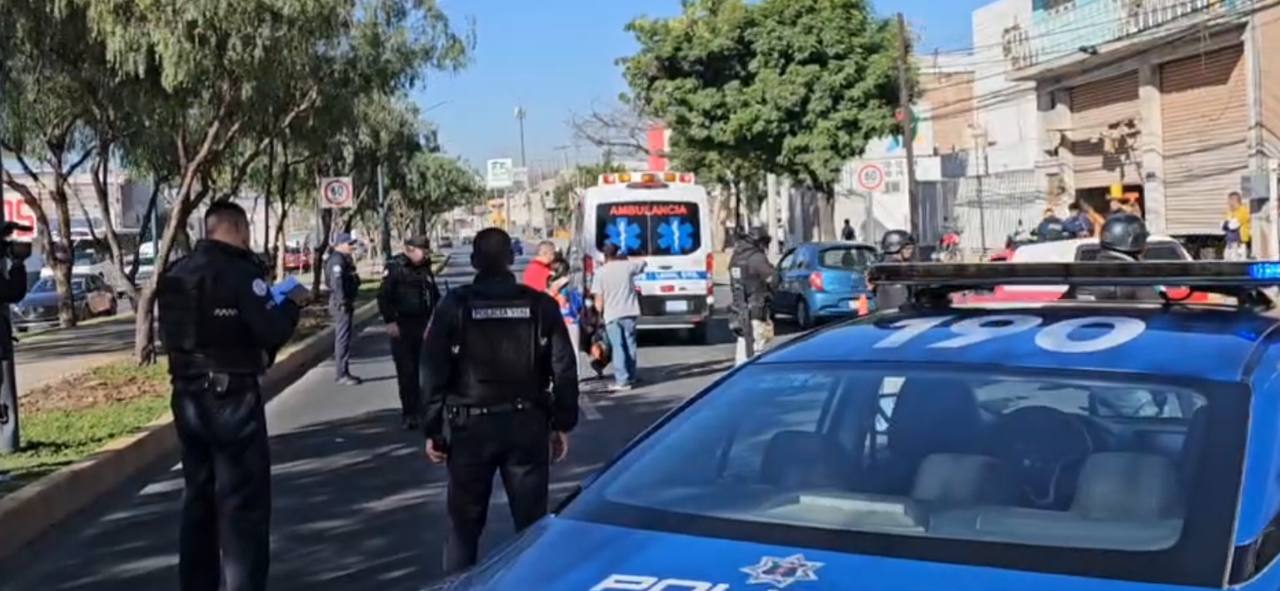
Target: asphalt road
point(357, 506)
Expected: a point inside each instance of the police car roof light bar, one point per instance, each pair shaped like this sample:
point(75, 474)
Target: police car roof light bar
point(1194, 274)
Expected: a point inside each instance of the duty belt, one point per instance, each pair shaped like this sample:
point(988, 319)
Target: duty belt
point(495, 409)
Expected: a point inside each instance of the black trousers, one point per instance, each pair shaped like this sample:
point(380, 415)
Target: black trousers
point(342, 318)
point(226, 507)
point(517, 446)
point(407, 353)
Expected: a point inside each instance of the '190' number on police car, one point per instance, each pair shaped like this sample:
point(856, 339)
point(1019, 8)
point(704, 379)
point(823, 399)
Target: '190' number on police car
point(1056, 337)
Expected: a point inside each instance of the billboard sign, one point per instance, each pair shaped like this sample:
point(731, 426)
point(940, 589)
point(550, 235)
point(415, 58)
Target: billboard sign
point(499, 174)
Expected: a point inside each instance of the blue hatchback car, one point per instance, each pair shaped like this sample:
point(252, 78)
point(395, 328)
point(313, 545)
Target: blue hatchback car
point(1103, 444)
point(823, 280)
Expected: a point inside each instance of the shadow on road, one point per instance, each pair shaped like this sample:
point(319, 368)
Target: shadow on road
point(357, 507)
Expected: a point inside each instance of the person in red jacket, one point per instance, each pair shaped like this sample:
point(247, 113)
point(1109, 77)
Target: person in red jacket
point(539, 269)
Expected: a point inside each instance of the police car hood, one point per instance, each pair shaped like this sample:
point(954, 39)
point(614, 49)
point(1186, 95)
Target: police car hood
point(567, 555)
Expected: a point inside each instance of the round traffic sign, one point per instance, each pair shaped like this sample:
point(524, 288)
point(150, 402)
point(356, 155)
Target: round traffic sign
point(336, 192)
point(871, 177)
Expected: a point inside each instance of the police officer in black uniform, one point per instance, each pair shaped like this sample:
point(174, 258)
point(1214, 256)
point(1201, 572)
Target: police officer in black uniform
point(344, 285)
point(502, 395)
point(897, 246)
point(406, 299)
point(1123, 240)
point(222, 326)
point(752, 279)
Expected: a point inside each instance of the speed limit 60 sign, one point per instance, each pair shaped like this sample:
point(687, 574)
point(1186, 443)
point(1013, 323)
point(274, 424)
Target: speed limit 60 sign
point(336, 193)
point(871, 177)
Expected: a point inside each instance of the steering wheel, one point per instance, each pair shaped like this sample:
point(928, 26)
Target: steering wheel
point(1041, 444)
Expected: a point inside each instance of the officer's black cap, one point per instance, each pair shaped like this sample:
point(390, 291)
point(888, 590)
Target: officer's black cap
point(418, 241)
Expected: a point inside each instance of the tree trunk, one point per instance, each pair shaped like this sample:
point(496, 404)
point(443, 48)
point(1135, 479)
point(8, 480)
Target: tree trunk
point(826, 211)
point(62, 265)
point(144, 345)
point(322, 244)
point(278, 242)
point(100, 170)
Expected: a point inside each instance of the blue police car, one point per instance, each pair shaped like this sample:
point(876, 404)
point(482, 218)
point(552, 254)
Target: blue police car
point(1069, 445)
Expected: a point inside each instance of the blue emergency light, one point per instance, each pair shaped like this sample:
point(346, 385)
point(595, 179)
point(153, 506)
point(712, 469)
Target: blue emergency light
point(1269, 271)
point(1194, 274)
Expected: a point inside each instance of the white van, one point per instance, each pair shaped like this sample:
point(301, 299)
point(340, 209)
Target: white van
point(664, 219)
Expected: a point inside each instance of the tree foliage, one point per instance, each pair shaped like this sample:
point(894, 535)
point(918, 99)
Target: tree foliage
point(201, 93)
point(796, 87)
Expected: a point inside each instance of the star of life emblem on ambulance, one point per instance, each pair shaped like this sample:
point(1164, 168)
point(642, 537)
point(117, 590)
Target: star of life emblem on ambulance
point(781, 572)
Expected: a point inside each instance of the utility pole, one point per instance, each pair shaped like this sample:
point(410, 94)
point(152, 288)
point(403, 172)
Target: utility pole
point(385, 238)
point(979, 162)
point(520, 115)
point(908, 135)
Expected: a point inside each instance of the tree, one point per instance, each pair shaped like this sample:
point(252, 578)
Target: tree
point(223, 80)
point(826, 80)
point(41, 125)
point(436, 184)
point(791, 86)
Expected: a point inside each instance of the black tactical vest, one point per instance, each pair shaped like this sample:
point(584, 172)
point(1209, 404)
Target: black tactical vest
point(414, 294)
point(500, 349)
point(200, 320)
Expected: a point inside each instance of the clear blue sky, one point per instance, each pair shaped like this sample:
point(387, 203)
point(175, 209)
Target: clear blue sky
point(556, 57)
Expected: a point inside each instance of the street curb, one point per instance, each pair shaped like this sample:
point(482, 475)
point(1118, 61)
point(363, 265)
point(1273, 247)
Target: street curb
point(32, 510)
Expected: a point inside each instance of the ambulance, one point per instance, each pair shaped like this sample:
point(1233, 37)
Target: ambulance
point(664, 219)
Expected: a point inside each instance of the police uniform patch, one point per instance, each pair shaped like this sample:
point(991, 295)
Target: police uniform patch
point(337, 268)
point(504, 313)
point(260, 287)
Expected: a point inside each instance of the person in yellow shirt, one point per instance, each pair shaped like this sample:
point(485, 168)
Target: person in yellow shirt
point(1236, 229)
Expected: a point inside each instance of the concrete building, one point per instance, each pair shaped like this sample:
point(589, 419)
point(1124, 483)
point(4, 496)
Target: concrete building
point(1173, 101)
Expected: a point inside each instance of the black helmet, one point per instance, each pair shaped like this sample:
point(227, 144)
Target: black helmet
point(895, 240)
point(758, 236)
point(1125, 232)
point(1051, 229)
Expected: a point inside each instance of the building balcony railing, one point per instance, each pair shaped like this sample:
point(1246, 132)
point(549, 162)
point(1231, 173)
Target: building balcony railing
point(1063, 30)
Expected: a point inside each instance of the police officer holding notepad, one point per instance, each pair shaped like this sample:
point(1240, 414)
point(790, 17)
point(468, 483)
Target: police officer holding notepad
point(222, 326)
point(502, 394)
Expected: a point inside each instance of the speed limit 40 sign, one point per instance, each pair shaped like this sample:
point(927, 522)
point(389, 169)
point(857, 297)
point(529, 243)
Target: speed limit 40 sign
point(336, 193)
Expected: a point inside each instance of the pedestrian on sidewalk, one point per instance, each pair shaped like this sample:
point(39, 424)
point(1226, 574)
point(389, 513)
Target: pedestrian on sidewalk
point(539, 269)
point(221, 324)
point(503, 395)
point(406, 299)
point(753, 280)
point(560, 286)
point(614, 288)
point(344, 285)
point(1236, 229)
point(846, 233)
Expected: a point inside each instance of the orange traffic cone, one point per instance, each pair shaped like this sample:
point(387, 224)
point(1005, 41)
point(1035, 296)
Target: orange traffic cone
point(864, 308)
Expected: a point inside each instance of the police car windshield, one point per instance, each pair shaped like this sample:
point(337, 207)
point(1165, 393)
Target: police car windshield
point(1047, 462)
point(658, 227)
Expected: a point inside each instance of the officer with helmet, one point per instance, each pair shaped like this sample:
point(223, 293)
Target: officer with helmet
point(752, 280)
point(1051, 228)
point(897, 246)
point(1123, 240)
point(502, 394)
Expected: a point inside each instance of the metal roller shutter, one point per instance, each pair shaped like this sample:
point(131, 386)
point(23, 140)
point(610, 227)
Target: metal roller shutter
point(1094, 107)
point(1204, 103)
